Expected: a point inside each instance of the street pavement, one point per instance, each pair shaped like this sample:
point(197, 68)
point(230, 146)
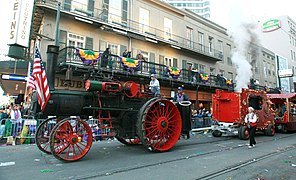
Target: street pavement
point(201, 157)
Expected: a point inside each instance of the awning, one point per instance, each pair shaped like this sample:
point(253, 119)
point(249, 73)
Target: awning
point(282, 96)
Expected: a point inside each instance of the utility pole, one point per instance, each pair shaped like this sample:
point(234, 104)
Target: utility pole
point(57, 33)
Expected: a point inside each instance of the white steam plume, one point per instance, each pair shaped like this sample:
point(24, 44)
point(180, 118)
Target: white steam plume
point(246, 42)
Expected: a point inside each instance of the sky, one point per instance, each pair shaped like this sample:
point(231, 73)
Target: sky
point(230, 13)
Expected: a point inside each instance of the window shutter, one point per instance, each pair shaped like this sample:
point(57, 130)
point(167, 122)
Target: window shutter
point(89, 43)
point(124, 12)
point(103, 45)
point(105, 10)
point(195, 66)
point(152, 57)
point(91, 6)
point(122, 49)
point(63, 39)
point(161, 59)
point(175, 62)
point(67, 5)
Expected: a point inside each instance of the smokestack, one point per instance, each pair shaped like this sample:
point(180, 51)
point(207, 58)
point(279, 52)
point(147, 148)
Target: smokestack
point(52, 58)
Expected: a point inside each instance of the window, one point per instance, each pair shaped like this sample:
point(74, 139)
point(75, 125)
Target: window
point(189, 37)
point(175, 62)
point(202, 68)
point(229, 62)
point(212, 71)
point(144, 20)
point(115, 8)
point(220, 46)
point(211, 44)
point(200, 40)
point(222, 72)
point(168, 61)
point(114, 49)
point(265, 69)
point(230, 75)
point(167, 28)
point(256, 67)
point(79, 7)
point(76, 40)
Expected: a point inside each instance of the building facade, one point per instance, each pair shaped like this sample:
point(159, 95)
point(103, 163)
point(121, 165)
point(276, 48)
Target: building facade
point(279, 35)
point(165, 35)
point(200, 7)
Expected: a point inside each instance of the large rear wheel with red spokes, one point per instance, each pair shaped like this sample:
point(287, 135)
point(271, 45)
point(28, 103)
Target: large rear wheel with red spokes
point(159, 124)
point(43, 134)
point(70, 139)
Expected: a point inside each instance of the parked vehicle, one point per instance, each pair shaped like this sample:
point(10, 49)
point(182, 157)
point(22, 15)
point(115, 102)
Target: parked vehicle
point(284, 111)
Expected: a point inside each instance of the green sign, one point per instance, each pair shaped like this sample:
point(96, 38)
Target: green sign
point(271, 25)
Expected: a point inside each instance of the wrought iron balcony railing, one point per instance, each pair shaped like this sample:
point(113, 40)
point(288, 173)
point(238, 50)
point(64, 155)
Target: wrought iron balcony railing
point(67, 56)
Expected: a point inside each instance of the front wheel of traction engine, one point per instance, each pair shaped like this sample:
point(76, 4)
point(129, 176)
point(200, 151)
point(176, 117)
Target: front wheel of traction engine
point(71, 139)
point(159, 124)
point(243, 133)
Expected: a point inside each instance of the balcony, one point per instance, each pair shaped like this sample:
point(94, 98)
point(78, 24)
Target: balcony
point(134, 29)
point(68, 58)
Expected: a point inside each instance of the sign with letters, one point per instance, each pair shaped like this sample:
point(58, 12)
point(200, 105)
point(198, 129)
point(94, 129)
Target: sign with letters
point(20, 23)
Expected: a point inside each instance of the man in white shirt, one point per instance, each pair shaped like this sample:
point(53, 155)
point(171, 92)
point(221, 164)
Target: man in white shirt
point(251, 121)
point(154, 85)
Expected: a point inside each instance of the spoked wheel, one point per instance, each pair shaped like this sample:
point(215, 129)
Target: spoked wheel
point(159, 124)
point(70, 139)
point(43, 134)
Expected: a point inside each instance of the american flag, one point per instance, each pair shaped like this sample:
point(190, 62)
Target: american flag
point(40, 80)
point(30, 81)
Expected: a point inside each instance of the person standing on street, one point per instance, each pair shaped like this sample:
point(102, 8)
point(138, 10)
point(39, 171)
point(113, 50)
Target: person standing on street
point(251, 121)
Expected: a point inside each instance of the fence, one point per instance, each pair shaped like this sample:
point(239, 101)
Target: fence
point(200, 122)
point(24, 130)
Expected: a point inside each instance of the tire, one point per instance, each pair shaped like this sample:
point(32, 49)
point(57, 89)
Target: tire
point(243, 133)
point(159, 125)
point(217, 133)
point(43, 134)
point(270, 130)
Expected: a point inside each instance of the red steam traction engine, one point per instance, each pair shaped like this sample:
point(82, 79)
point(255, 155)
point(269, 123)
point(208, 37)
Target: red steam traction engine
point(132, 114)
point(230, 109)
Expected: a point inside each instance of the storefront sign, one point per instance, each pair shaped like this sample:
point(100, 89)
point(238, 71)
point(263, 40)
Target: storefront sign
point(285, 73)
point(13, 77)
point(20, 23)
point(271, 25)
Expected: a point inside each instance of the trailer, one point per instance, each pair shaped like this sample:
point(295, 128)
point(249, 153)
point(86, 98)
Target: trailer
point(230, 109)
point(284, 111)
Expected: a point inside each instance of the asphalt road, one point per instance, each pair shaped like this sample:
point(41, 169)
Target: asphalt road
point(201, 157)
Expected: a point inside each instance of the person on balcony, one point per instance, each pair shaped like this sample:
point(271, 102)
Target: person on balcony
point(140, 56)
point(105, 58)
point(154, 85)
point(126, 54)
point(180, 96)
